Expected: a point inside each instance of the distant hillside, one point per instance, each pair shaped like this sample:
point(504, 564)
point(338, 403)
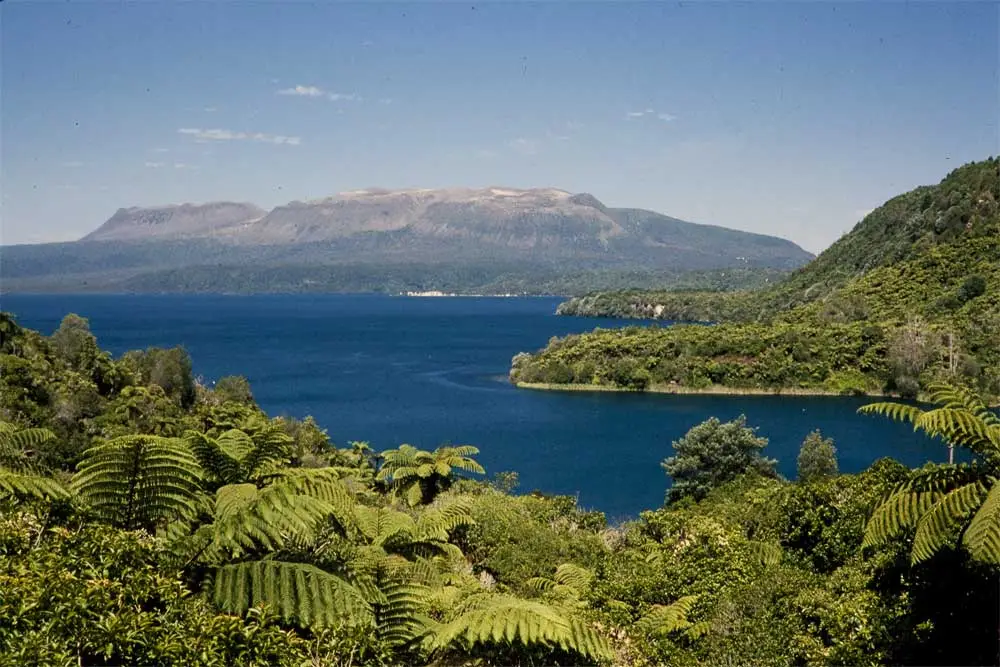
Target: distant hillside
point(962, 208)
point(911, 294)
point(418, 239)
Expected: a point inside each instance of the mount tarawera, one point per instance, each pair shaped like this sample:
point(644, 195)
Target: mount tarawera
point(464, 240)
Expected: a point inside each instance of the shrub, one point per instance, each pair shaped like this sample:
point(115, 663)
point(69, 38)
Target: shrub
point(713, 453)
point(817, 458)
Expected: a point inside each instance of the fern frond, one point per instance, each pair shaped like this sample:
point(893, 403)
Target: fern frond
point(940, 524)
point(301, 593)
point(982, 537)
point(137, 480)
point(216, 460)
point(439, 520)
point(568, 585)
point(22, 442)
point(399, 616)
point(23, 485)
point(941, 478)
point(766, 553)
point(271, 447)
point(502, 619)
point(271, 518)
point(897, 515)
point(664, 619)
point(897, 411)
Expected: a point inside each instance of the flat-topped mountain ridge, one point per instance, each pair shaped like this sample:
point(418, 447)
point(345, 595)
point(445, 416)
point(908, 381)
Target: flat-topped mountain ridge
point(549, 220)
point(484, 240)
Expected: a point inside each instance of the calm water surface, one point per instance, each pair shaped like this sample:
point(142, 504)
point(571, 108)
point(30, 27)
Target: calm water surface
point(429, 371)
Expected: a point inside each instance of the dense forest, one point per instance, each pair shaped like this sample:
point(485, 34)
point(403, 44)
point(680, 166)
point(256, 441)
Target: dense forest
point(910, 297)
point(147, 517)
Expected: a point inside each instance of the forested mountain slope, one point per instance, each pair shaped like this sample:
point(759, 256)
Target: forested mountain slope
point(919, 278)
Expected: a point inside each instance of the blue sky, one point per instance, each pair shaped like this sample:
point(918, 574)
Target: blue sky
point(782, 118)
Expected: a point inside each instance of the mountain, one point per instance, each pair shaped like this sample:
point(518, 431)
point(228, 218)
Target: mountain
point(177, 222)
point(909, 296)
point(456, 239)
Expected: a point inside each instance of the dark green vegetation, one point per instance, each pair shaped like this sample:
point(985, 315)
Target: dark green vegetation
point(196, 266)
point(147, 519)
point(909, 297)
point(467, 241)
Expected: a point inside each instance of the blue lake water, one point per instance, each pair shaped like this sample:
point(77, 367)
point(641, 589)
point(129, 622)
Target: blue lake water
point(429, 371)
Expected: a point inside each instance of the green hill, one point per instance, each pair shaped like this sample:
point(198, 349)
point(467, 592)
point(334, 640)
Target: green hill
point(920, 276)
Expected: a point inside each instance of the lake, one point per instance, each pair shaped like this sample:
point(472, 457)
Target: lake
point(428, 371)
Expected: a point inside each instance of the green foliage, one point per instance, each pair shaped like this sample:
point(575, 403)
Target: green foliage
point(918, 275)
point(312, 560)
point(817, 458)
point(943, 503)
point(138, 481)
point(418, 476)
point(95, 595)
point(500, 619)
point(234, 388)
point(713, 453)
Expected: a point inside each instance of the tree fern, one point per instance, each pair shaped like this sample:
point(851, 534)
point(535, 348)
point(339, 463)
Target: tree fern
point(940, 524)
point(568, 585)
point(18, 445)
point(666, 619)
point(898, 514)
point(236, 457)
point(502, 619)
point(292, 508)
point(22, 485)
point(136, 481)
point(301, 593)
point(418, 476)
point(982, 537)
point(939, 501)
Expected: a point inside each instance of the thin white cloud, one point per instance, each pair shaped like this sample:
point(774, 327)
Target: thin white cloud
point(73, 164)
point(385, 100)
point(665, 117)
point(316, 91)
point(302, 91)
point(155, 165)
point(182, 165)
point(211, 109)
point(343, 97)
point(204, 136)
point(573, 126)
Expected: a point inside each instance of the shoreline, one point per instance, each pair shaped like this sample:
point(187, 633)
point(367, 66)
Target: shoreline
point(714, 390)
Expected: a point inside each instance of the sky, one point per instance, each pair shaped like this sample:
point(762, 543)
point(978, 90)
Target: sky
point(792, 119)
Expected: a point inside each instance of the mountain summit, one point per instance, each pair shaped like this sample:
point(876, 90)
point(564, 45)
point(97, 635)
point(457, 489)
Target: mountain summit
point(494, 239)
point(445, 224)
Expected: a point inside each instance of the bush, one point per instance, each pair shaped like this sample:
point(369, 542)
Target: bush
point(713, 453)
point(817, 458)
